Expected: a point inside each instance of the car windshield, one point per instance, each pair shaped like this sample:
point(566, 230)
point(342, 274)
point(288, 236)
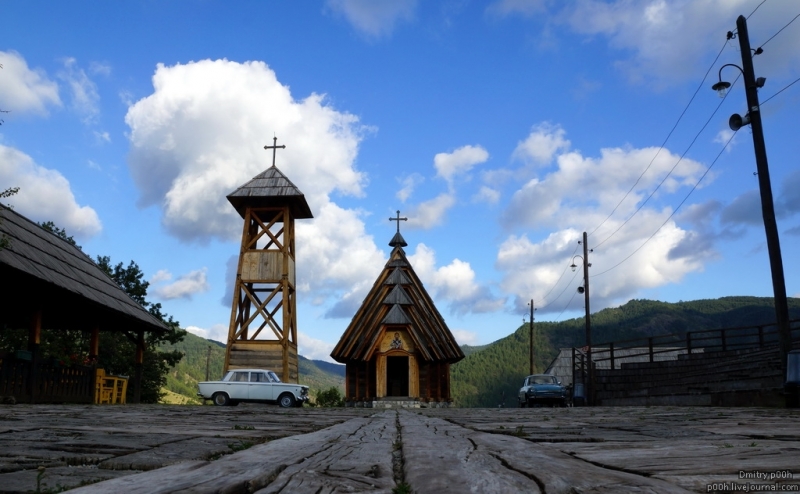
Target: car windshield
point(274, 377)
point(542, 380)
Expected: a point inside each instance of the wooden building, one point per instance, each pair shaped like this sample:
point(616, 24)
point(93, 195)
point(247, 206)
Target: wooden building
point(397, 348)
point(263, 325)
point(49, 284)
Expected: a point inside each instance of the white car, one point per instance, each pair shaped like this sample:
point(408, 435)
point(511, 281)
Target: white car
point(253, 385)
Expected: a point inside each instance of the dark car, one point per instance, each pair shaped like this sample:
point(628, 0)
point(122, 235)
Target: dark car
point(542, 389)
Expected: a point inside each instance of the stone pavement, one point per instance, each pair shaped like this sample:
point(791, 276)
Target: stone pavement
point(259, 448)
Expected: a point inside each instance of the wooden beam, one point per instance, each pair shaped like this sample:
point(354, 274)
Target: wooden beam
point(138, 361)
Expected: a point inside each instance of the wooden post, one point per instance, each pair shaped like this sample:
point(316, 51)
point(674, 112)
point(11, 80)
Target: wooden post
point(650, 347)
point(138, 364)
point(611, 349)
point(689, 342)
point(34, 341)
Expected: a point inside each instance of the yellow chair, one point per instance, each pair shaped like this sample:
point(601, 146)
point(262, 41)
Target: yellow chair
point(110, 389)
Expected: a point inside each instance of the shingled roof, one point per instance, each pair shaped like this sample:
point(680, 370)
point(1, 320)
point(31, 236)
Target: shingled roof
point(270, 188)
point(42, 270)
point(398, 298)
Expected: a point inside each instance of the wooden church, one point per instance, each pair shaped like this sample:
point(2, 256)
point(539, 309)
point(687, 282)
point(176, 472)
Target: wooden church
point(397, 349)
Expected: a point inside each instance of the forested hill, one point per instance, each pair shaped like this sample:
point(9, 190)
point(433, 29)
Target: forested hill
point(493, 373)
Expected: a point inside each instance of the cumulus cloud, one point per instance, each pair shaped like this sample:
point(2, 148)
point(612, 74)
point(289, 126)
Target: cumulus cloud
point(459, 161)
point(161, 275)
point(45, 195)
point(431, 213)
point(544, 141)
point(183, 287)
point(583, 188)
point(465, 337)
point(200, 135)
point(409, 183)
point(217, 332)
point(644, 33)
point(487, 195)
point(314, 349)
point(23, 89)
point(577, 195)
point(454, 283)
point(374, 19)
point(743, 210)
point(85, 99)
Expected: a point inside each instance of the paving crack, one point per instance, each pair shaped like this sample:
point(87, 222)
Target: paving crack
point(521, 472)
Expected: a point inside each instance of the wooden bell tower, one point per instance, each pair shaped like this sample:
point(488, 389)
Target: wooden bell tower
point(263, 325)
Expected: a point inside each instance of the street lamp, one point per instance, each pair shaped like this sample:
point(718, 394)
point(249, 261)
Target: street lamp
point(753, 118)
point(585, 290)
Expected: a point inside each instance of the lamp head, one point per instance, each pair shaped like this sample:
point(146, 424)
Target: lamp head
point(721, 88)
point(573, 266)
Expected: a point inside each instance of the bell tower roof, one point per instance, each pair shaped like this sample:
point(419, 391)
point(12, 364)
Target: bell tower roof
point(271, 188)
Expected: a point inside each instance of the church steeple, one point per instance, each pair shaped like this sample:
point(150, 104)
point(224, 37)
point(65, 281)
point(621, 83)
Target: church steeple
point(398, 240)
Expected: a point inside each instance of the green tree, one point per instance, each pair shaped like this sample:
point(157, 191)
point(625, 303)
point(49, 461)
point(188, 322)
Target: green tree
point(116, 349)
point(5, 241)
point(330, 398)
point(52, 228)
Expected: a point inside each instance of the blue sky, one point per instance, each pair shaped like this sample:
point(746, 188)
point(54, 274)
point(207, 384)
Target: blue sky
point(501, 129)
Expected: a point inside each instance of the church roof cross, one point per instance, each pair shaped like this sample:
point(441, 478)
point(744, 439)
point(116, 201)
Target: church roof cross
point(398, 219)
point(274, 148)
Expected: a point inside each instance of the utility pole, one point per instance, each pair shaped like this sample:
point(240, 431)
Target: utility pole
point(532, 309)
point(765, 188)
point(590, 387)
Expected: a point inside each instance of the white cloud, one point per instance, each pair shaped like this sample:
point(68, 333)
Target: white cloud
point(459, 161)
point(542, 144)
point(725, 136)
point(100, 68)
point(668, 41)
point(487, 195)
point(25, 90)
point(314, 349)
point(374, 18)
point(582, 189)
point(200, 135)
point(85, 99)
point(184, 287)
point(578, 195)
point(409, 184)
point(455, 283)
point(217, 332)
point(102, 136)
point(663, 36)
point(161, 275)
point(45, 195)
point(431, 213)
point(335, 252)
point(465, 337)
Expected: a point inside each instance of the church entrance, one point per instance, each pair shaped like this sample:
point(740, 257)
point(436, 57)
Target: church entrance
point(397, 376)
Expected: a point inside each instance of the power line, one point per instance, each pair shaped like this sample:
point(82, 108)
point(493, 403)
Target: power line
point(691, 144)
point(675, 211)
point(685, 109)
point(757, 6)
point(782, 90)
point(557, 281)
point(779, 32)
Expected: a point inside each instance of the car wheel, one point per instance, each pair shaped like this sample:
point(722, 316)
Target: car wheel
point(522, 404)
point(286, 400)
point(220, 399)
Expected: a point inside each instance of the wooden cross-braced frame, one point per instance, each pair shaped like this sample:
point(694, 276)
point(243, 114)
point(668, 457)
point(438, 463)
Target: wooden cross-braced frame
point(263, 320)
